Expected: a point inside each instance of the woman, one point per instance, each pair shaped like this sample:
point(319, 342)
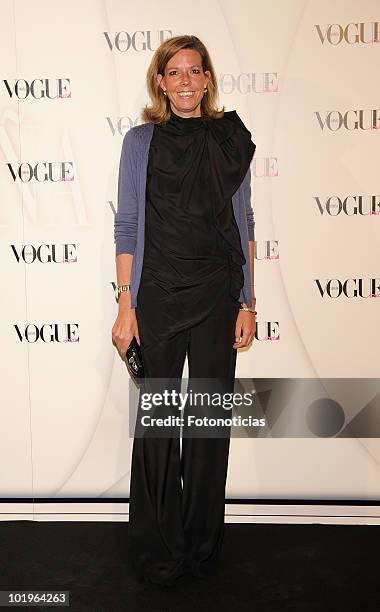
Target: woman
point(184, 260)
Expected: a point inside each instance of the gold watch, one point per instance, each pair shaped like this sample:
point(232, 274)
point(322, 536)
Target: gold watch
point(120, 289)
point(247, 309)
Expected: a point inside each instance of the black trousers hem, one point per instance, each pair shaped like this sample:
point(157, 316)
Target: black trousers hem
point(177, 500)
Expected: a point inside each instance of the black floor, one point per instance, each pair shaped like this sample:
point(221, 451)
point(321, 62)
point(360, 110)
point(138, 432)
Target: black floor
point(262, 567)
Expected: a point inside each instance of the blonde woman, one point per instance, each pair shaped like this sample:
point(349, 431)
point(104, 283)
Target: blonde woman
point(184, 234)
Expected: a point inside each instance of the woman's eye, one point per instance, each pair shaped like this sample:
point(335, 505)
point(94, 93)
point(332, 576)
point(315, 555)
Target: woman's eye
point(173, 72)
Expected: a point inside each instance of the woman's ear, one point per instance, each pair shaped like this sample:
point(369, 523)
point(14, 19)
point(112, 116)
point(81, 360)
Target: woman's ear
point(208, 74)
point(159, 79)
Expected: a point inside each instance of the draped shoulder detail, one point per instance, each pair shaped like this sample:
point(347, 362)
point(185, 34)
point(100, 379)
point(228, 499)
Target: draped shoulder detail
point(193, 254)
point(230, 152)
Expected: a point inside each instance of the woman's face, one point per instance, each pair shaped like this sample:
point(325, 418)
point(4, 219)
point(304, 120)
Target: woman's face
point(183, 73)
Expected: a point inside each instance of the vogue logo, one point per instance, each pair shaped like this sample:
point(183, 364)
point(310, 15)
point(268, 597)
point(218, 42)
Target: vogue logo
point(350, 288)
point(42, 172)
point(121, 125)
point(112, 206)
point(48, 332)
point(45, 253)
point(137, 41)
point(267, 331)
point(39, 88)
point(368, 119)
point(266, 249)
point(246, 83)
point(264, 166)
point(352, 34)
point(350, 205)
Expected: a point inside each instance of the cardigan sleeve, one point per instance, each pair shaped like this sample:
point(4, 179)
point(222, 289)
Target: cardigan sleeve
point(125, 225)
point(246, 187)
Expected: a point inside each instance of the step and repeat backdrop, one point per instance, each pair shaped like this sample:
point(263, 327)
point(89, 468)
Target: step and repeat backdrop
point(303, 76)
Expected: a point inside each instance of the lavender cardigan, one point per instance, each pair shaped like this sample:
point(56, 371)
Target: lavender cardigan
point(129, 227)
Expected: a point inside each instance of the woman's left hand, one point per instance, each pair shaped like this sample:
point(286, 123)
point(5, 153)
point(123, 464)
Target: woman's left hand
point(245, 329)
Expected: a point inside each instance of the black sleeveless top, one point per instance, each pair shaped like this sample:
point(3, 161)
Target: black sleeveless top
point(192, 253)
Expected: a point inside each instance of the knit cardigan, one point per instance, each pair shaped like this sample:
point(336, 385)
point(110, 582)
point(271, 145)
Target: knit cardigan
point(129, 224)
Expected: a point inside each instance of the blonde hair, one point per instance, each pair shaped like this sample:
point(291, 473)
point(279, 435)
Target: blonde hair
point(159, 110)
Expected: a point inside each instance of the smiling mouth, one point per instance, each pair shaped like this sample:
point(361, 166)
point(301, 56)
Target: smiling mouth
point(185, 94)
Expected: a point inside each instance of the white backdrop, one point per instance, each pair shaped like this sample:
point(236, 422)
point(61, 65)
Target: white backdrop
point(303, 77)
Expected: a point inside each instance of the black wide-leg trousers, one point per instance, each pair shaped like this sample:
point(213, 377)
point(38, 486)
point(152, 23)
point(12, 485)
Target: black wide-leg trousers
point(178, 527)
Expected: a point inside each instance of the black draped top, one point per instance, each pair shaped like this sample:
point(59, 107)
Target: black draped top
point(192, 251)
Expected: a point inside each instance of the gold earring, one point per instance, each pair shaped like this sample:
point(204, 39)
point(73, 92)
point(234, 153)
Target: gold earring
point(164, 92)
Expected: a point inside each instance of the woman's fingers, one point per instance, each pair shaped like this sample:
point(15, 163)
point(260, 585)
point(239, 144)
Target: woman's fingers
point(244, 330)
point(123, 345)
point(121, 338)
point(245, 341)
point(125, 327)
point(238, 332)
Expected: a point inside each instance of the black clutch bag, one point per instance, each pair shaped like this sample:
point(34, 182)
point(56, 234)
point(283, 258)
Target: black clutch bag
point(133, 359)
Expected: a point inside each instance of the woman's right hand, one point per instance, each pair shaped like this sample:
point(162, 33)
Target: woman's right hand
point(125, 327)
